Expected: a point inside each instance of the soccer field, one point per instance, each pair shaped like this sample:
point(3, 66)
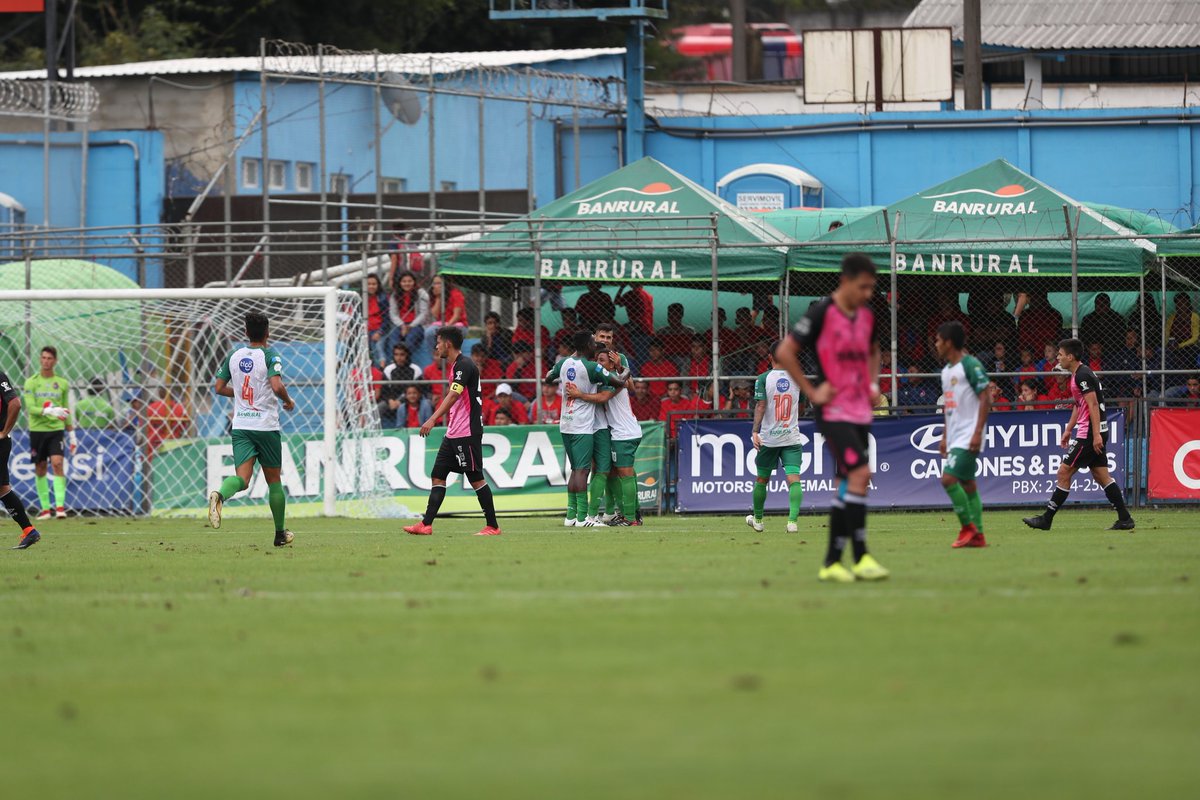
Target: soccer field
point(691, 658)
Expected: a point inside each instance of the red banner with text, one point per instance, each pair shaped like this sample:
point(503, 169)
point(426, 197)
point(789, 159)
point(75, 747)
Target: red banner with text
point(1174, 454)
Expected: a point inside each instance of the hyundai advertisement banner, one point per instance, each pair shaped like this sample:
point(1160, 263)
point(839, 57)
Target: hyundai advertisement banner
point(1017, 467)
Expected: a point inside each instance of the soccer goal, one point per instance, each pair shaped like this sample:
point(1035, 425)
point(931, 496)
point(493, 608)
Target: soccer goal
point(153, 437)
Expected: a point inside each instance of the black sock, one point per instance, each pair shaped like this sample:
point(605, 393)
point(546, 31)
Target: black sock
point(1056, 501)
point(837, 532)
point(16, 509)
point(484, 493)
point(436, 495)
point(1117, 498)
point(856, 524)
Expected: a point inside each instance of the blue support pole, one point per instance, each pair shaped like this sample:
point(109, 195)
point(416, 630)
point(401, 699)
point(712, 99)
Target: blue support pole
point(635, 91)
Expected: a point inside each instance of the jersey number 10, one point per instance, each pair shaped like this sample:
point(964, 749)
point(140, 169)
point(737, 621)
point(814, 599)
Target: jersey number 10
point(783, 408)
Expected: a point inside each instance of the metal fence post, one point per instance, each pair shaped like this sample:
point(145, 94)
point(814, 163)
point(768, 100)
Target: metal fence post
point(716, 314)
point(264, 173)
point(892, 231)
point(1072, 231)
point(322, 168)
point(538, 356)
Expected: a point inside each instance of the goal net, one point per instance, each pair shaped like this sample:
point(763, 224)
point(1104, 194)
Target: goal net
point(153, 437)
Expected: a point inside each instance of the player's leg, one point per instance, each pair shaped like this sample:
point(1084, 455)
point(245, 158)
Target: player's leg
point(483, 493)
point(60, 475)
point(624, 458)
point(765, 461)
point(13, 503)
point(579, 458)
point(601, 466)
point(837, 439)
point(613, 501)
point(243, 459)
point(975, 505)
point(792, 459)
point(958, 468)
point(268, 447)
point(1112, 491)
point(38, 444)
point(443, 464)
point(1076, 459)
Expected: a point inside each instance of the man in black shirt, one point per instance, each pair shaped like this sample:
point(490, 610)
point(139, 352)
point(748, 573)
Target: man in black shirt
point(10, 398)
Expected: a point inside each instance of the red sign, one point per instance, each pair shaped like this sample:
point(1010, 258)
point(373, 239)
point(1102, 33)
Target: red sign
point(9, 6)
point(1174, 454)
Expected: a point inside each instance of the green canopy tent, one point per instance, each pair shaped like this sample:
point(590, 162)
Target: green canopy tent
point(1136, 221)
point(1023, 217)
point(644, 223)
point(1181, 247)
point(806, 224)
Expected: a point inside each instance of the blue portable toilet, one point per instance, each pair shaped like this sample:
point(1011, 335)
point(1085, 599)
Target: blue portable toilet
point(770, 187)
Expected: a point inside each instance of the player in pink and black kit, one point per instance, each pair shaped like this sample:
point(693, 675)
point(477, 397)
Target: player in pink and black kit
point(841, 329)
point(1088, 449)
point(462, 449)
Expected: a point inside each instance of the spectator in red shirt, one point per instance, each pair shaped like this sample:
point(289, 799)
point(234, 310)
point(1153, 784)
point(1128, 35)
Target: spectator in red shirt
point(502, 417)
point(524, 332)
point(166, 419)
point(1028, 398)
point(999, 401)
point(547, 410)
point(570, 324)
point(378, 321)
point(742, 399)
point(489, 370)
point(504, 402)
point(676, 338)
point(594, 307)
point(455, 312)
point(658, 367)
point(700, 363)
point(645, 406)
point(520, 372)
point(674, 403)
point(414, 410)
point(1027, 366)
point(1059, 391)
point(1039, 322)
point(436, 372)
point(639, 306)
point(1096, 356)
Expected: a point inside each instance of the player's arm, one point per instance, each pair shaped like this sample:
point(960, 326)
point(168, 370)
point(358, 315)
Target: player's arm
point(603, 376)
point(223, 388)
point(552, 375)
point(979, 381)
point(789, 356)
point(449, 399)
point(1094, 416)
point(601, 396)
point(12, 405)
point(30, 398)
point(760, 409)
point(873, 367)
point(281, 392)
point(1066, 435)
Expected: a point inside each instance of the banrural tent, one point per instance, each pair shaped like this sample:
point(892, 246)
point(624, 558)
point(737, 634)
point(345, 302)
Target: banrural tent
point(1182, 247)
point(806, 224)
point(996, 202)
point(644, 223)
point(1136, 221)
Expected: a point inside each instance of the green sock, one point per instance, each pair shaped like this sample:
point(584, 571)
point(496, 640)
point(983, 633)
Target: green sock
point(795, 498)
point(596, 494)
point(629, 498)
point(231, 486)
point(43, 490)
point(278, 499)
point(612, 494)
point(958, 498)
point(760, 499)
point(572, 506)
point(60, 490)
point(975, 504)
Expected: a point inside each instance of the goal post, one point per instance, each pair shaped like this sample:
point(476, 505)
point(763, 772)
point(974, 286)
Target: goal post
point(148, 356)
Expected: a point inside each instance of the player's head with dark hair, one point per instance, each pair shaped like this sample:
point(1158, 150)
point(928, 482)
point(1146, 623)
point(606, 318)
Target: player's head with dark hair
point(257, 327)
point(583, 343)
point(775, 352)
point(51, 350)
point(451, 335)
point(606, 327)
point(951, 333)
point(1069, 350)
point(857, 283)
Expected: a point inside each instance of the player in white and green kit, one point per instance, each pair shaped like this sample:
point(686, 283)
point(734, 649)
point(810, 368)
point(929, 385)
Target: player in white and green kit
point(577, 422)
point(253, 377)
point(776, 436)
point(967, 403)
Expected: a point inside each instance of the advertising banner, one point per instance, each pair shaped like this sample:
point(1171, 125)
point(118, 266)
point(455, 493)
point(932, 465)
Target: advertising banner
point(1174, 457)
point(104, 475)
point(1018, 465)
point(525, 465)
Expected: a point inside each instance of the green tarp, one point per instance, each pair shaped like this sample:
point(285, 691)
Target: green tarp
point(1181, 247)
point(644, 223)
point(996, 201)
point(806, 224)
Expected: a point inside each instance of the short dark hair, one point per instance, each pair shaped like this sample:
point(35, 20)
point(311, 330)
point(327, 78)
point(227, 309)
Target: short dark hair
point(675, 306)
point(656, 342)
point(401, 346)
point(500, 411)
point(606, 327)
point(491, 315)
point(855, 264)
point(257, 326)
point(675, 383)
point(478, 348)
point(51, 350)
point(522, 347)
point(525, 313)
point(581, 341)
point(451, 334)
point(953, 332)
point(1031, 383)
point(1072, 347)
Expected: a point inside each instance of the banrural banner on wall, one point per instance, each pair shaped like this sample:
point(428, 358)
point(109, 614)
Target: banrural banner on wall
point(1018, 465)
point(1174, 455)
point(525, 465)
point(103, 476)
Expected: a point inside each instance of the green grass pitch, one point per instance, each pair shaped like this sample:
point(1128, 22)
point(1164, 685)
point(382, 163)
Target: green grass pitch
point(691, 658)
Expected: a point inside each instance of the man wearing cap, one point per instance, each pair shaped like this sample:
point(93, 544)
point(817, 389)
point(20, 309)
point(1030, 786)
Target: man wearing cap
point(504, 402)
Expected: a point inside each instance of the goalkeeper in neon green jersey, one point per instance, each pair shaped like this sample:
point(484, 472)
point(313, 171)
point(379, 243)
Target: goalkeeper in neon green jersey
point(253, 377)
point(776, 437)
point(49, 428)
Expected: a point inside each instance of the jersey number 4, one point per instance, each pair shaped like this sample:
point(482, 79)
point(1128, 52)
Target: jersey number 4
point(783, 408)
point(247, 391)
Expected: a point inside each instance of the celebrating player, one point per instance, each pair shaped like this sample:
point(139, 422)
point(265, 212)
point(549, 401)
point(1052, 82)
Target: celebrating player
point(462, 449)
point(609, 489)
point(1087, 451)
point(626, 436)
point(577, 423)
point(256, 432)
point(967, 403)
point(11, 401)
point(49, 423)
point(778, 411)
point(841, 330)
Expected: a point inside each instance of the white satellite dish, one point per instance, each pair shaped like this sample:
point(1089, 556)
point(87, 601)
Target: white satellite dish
point(402, 102)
